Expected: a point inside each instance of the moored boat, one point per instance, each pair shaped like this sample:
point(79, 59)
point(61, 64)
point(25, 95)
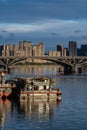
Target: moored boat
point(38, 88)
point(6, 86)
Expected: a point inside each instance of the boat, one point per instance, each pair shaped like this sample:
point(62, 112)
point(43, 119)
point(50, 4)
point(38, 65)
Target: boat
point(38, 88)
point(6, 85)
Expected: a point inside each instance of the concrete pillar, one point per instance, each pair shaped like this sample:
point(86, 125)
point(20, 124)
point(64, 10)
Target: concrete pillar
point(80, 70)
point(70, 70)
point(74, 69)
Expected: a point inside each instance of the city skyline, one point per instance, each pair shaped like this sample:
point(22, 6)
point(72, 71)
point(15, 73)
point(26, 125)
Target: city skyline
point(28, 48)
point(52, 22)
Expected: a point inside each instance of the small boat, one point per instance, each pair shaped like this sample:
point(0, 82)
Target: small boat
point(38, 88)
point(6, 86)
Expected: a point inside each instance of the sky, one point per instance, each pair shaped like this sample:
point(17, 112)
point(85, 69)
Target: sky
point(54, 22)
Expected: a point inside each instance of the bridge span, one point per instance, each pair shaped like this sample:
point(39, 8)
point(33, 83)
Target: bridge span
point(70, 64)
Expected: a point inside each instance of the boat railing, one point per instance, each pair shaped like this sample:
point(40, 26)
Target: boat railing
point(41, 83)
point(43, 91)
point(7, 85)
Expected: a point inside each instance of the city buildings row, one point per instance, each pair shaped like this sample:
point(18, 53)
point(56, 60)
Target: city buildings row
point(26, 48)
point(74, 51)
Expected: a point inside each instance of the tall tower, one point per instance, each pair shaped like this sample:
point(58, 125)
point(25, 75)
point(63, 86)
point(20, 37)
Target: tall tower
point(72, 48)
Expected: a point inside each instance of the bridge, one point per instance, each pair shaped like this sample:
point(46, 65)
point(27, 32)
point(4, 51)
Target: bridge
point(70, 64)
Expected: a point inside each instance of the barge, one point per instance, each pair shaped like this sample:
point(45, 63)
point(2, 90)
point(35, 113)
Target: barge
point(38, 88)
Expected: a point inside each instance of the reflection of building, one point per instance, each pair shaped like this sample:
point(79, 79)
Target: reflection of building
point(72, 48)
point(37, 70)
point(38, 108)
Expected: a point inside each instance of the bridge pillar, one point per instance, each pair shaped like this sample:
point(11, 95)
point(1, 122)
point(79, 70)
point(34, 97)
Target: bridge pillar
point(70, 70)
point(80, 70)
point(76, 69)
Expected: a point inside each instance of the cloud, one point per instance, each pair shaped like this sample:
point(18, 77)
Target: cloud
point(77, 31)
point(42, 19)
point(9, 38)
point(84, 36)
point(60, 27)
point(53, 33)
point(3, 30)
point(24, 11)
point(1, 37)
point(11, 34)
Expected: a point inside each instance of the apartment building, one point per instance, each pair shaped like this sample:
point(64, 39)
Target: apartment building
point(72, 48)
point(62, 50)
point(24, 48)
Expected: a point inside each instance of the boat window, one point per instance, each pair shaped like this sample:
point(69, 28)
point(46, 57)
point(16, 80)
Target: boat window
point(44, 87)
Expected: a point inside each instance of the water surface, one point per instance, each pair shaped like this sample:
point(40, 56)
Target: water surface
point(69, 114)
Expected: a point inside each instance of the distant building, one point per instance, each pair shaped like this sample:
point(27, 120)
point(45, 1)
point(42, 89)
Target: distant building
point(84, 50)
point(25, 48)
point(67, 52)
point(1, 48)
point(72, 48)
point(5, 51)
point(54, 53)
point(62, 50)
point(38, 50)
point(79, 53)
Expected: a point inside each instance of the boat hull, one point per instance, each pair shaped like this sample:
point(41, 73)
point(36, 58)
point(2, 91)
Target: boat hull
point(46, 95)
point(5, 91)
point(1, 94)
point(6, 94)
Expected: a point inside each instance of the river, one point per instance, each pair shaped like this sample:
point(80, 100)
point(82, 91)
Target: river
point(68, 114)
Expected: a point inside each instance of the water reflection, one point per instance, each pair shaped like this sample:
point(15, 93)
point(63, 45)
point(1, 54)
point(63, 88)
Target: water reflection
point(42, 110)
point(71, 114)
point(12, 112)
point(36, 70)
point(5, 108)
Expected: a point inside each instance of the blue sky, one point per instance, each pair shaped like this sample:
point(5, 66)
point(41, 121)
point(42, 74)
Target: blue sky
point(50, 21)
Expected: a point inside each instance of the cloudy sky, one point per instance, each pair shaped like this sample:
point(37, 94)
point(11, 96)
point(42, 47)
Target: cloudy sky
point(50, 21)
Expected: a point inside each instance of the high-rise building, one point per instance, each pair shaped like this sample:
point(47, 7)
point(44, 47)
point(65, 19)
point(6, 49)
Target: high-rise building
point(84, 50)
point(5, 51)
point(38, 50)
point(1, 48)
point(72, 48)
point(62, 50)
point(40, 47)
point(26, 48)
